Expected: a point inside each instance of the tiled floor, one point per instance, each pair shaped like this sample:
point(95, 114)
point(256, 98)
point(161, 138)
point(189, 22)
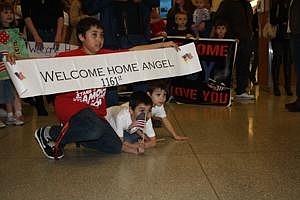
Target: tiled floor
point(248, 151)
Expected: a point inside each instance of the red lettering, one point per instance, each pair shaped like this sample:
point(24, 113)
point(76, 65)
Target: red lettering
point(223, 98)
point(224, 50)
point(193, 94)
point(214, 97)
point(186, 92)
point(205, 94)
point(212, 50)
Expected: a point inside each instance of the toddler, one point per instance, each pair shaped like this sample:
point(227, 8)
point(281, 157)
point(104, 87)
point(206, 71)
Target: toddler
point(157, 91)
point(220, 29)
point(157, 24)
point(8, 94)
point(181, 28)
point(200, 16)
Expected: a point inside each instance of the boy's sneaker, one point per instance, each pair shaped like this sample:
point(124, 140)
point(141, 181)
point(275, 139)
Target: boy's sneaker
point(14, 121)
point(245, 96)
point(19, 122)
point(46, 144)
point(2, 125)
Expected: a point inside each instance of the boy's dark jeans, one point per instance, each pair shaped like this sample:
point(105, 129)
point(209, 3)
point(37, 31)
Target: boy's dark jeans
point(88, 129)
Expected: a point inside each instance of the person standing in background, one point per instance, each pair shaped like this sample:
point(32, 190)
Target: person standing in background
point(281, 45)
point(44, 20)
point(254, 45)
point(133, 17)
point(294, 29)
point(238, 14)
point(76, 14)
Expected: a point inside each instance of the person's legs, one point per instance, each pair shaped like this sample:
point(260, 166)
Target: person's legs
point(295, 47)
point(276, 61)
point(287, 62)
point(254, 63)
point(40, 107)
point(109, 142)
point(11, 98)
point(242, 67)
point(87, 128)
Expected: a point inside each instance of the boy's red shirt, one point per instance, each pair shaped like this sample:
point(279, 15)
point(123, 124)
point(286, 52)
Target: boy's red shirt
point(69, 103)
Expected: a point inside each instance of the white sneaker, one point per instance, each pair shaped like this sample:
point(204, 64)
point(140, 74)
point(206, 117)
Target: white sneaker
point(2, 125)
point(245, 96)
point(19, 122)
point(14, 121)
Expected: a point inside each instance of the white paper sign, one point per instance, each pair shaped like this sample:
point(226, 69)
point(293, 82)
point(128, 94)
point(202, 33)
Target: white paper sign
point(48, 49)
point(56, 75)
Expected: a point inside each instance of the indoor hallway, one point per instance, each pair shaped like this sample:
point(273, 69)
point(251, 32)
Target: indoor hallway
point(247, 151)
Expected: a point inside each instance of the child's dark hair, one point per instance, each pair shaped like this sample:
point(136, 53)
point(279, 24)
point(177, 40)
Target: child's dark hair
point(180, 13)
point(158, 84)
point(5, 5)
point(221, 22)
point(137, 98)
point(85, 24)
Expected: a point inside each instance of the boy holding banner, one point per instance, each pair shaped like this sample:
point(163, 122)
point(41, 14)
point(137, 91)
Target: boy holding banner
point(83, 121)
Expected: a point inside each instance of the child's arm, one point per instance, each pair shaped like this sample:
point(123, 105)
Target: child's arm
point(149, 142)
point(171, 130)
point(154, 46)
point(11, 58)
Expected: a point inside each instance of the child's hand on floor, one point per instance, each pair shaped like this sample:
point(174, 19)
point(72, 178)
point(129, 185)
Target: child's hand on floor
point(178, 137)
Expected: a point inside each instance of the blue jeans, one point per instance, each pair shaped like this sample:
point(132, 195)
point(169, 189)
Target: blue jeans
point(88, 129)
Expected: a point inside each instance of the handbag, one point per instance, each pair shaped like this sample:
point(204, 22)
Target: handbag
point(269, 31)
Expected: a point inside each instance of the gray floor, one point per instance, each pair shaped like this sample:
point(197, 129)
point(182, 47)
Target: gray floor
point(248, 151)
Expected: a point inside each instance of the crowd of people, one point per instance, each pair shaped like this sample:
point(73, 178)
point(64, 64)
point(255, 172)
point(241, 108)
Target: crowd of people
point(108, 26)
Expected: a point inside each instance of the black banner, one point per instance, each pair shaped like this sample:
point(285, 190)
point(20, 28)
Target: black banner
point(211, 86)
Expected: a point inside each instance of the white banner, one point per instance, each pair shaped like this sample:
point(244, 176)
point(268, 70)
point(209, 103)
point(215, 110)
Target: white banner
point(48, 49)
point(56, 75)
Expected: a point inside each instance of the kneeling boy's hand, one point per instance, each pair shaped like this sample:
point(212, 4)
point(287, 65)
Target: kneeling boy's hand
point(178, 137)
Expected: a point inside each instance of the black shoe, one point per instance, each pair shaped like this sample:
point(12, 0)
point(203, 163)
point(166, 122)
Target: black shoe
point(277, 91)
point(46, 144)
point(293, 107)
point(288, 91)
point(42, 112)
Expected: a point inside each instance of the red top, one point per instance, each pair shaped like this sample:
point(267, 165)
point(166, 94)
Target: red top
point(157, 27)
point(69, 103)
